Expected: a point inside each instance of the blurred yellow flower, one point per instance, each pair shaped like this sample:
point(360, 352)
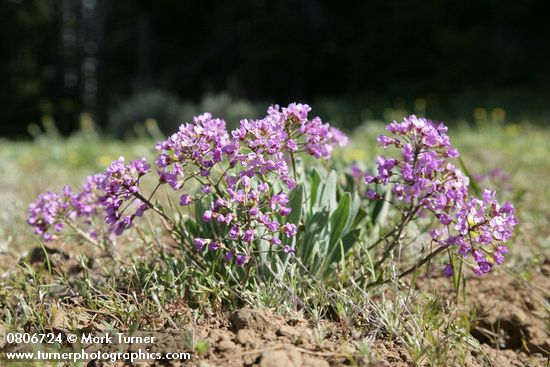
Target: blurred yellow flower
point(104, 160)
point(512, 129)
point(420, 105)
point(480, 114)
point(86, 122)
point(354, 154)
point(498, 114)
point(151, 123)
point(74, 158)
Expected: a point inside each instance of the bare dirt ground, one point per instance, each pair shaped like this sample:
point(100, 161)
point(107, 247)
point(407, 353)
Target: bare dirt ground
point(513, 329)
point(249, 337)
point(513, 314)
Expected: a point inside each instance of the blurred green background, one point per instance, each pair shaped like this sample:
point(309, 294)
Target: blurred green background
point(115, 64)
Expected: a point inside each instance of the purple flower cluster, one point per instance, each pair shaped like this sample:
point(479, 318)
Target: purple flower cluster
point(483, 229)
point(242, 176)
point(248, 213)
point(266, 144)
point(50, 212)
point(120, 184)
point(196, 148)
point(240, 173)
point(47, 213)
point(101, 193)
point(424, 179)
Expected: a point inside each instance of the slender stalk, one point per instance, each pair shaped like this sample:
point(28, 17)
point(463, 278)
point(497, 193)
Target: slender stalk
point(221, 177)
point(154, 190)
point(172, 229)
point(409, 270)
point(459, 278)
point(383, 238)
point(82, 233)
point(293, 165)
point(157, 210)
point(397, 236)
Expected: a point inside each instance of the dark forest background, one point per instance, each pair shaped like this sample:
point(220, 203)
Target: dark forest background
point(60, 58)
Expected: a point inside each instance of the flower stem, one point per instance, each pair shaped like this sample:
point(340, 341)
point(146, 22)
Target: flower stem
point(293, 165)
point(85, 235)
point(409, 270)
point(157, 210)
point(411, 213)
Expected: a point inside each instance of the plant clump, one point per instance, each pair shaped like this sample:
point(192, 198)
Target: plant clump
point(249, 198)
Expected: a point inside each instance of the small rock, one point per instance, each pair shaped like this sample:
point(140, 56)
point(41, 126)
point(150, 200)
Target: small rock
point(218, 335)
point(225, 345)
point(287, 331)
point(257, 320)
point(223, 337)
point(287, 357)
point(269, 335)
point(304, 340)
point(245, 336)
point(246, 318)
point(314, 362)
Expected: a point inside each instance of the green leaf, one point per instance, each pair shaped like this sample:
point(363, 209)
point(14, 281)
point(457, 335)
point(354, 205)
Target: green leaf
point(315, 181)
point(326, 197)
point(354, 209)
point(339, 219)
point(359, 217)
point(339, 251)
point(263, 246)
point(349, 240)
point(375, 209)
point(315, 234)
point(473, 183)
point(296, 200)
